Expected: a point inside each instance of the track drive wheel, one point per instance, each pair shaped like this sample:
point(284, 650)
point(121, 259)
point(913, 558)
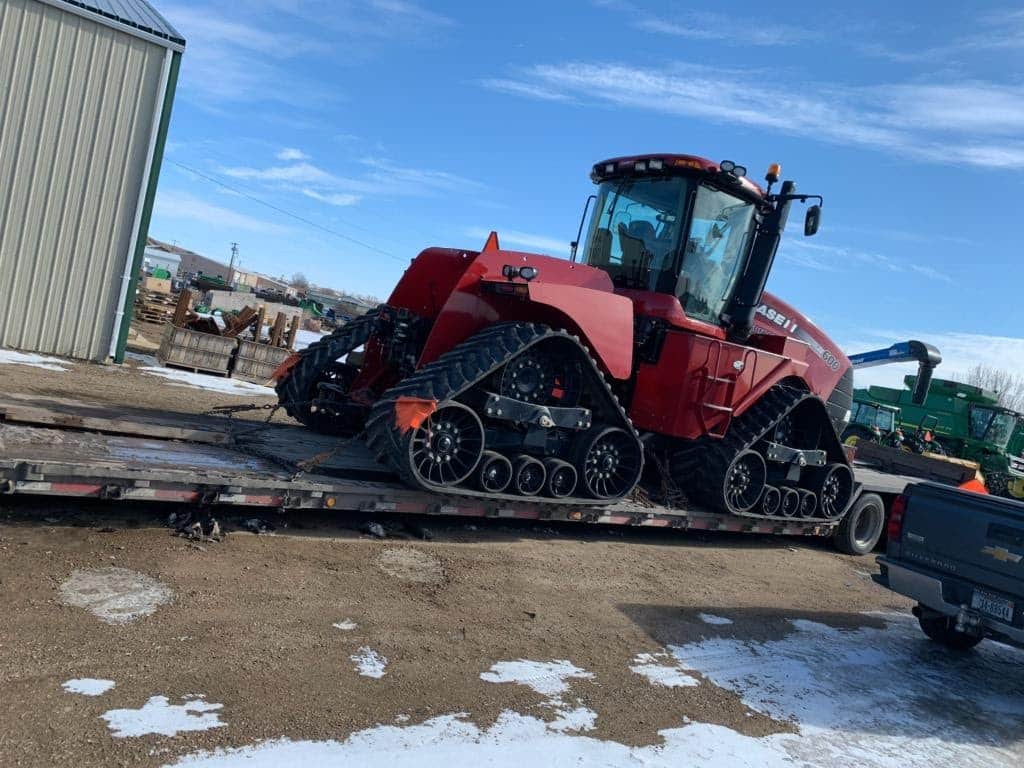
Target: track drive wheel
point(744, 482)
point(447, 446)
point(833, 485)
point(610, 462)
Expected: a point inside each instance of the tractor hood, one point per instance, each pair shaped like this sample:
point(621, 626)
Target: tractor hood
point(497, 285)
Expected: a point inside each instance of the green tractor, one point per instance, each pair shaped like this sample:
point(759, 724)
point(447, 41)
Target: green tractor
point(880, 423)
point(967, 421)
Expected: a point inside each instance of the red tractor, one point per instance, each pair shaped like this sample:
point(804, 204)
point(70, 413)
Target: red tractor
point(516, 375)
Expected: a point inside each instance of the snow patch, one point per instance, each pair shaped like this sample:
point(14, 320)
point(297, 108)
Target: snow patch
point(88, 686)
point(879, 698)
point(304, 338)
point(179, 378)
point(513, 741)
point(548, 678)
point(369, 663)
point(545, 677)
point(114, 595)
point(10, 357)
point(346, 625)
point(710, 618)
point(158, 715)
point(651, 666)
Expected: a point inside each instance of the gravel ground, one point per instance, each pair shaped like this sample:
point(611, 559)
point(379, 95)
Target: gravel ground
point(318, 632)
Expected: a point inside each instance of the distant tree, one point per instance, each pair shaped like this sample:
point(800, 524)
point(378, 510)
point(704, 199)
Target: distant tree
point(300, 282)
point(1008, 384)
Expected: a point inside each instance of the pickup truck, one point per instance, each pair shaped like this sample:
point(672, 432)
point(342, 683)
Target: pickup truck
point(960, 555)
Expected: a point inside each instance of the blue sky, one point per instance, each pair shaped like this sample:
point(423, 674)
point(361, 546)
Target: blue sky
point(378, 127)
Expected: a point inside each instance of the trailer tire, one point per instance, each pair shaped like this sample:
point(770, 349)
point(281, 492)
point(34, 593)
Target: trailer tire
point(942, 629)
point(861, 527)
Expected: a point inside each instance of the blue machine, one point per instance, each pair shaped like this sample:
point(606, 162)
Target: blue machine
point(926, 355)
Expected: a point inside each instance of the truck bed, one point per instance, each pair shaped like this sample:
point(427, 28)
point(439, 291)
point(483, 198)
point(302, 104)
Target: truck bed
point(67, 448)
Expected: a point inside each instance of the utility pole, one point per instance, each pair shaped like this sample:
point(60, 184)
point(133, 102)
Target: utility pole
point(231, 265)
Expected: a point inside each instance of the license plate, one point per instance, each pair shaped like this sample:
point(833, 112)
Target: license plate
point(993, 605)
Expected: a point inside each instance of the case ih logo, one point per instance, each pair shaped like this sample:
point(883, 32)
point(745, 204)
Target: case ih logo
point(773, 315)
point(793, 329)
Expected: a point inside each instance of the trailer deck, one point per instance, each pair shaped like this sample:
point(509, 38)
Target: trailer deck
point(72, 449)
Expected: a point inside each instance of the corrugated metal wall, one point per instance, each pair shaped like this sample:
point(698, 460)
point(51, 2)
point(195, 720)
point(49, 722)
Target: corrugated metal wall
point(77, 101)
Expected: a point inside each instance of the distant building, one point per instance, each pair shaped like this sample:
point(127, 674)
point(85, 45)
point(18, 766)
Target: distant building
point(194, 263)
point(157, 258)
point(353, 306)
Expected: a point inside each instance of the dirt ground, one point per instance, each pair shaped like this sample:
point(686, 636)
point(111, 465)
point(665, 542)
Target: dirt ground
point(254, 614)
point(249, 622)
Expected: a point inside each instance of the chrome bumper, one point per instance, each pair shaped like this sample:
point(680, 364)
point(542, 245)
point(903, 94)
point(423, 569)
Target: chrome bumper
point(927, 590)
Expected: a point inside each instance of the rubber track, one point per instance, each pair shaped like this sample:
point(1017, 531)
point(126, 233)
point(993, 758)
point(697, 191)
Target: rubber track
point(456, 371)
point(293, 391)
point(700, 467)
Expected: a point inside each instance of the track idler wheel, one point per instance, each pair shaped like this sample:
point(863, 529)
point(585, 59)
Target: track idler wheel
point(744, 481)
point(610, 462)
point(528, 475)
point(771, 501)
point(808, 503)
point(494, 473)
point(447, 446)
point(561, 480)
point(790, 502)
point(833, 485)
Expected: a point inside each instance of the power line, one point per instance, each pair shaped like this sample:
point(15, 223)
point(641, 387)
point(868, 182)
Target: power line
point(295, 216)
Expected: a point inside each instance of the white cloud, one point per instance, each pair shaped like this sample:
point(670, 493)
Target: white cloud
point(835, 258)
point(909, 119)
point(541, 243)
point(298, 173)
point(713, 26)
point(381, 178)
point(175, 204)
point(292, 154)
point(411, 11)
point(960, 352)
point(332, 198)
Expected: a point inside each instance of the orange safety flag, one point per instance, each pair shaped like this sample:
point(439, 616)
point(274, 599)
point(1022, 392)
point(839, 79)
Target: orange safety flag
point(974, 485)
point(411, 412)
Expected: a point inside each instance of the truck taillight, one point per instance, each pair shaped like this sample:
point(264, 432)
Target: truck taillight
point(896, 511)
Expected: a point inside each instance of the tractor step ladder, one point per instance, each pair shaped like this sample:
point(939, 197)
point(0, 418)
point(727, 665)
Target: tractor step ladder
point(709, 406)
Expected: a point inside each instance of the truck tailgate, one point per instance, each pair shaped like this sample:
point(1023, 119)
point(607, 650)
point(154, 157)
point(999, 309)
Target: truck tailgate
point(975, 537)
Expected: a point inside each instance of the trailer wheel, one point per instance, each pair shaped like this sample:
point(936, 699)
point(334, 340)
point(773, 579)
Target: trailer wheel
point(861, 528)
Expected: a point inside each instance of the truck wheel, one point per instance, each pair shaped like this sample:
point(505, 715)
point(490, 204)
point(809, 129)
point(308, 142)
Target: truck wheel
point(860, 529)
point(942, 629)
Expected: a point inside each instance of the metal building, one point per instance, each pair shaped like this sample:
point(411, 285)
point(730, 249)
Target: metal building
point(86, 88)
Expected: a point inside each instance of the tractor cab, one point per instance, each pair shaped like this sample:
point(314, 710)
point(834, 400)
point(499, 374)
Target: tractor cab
point(689, 228)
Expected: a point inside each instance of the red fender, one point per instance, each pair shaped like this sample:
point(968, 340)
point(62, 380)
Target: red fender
point(575, 297)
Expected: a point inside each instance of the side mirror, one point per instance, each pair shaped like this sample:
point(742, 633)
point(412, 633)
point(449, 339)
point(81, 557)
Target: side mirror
point(812, 221)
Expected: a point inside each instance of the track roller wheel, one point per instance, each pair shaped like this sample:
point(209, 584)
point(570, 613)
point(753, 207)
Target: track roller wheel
point(744, 481)
point(610, 462)
point(808, 503)
point(494, 473)
point(790, 502)
point(771, 500)
point(561, 480)
point(447, 446)
point(528, 475)
point(833, 485)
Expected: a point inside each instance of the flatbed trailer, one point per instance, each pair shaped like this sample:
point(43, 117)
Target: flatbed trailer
point(71, 449)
